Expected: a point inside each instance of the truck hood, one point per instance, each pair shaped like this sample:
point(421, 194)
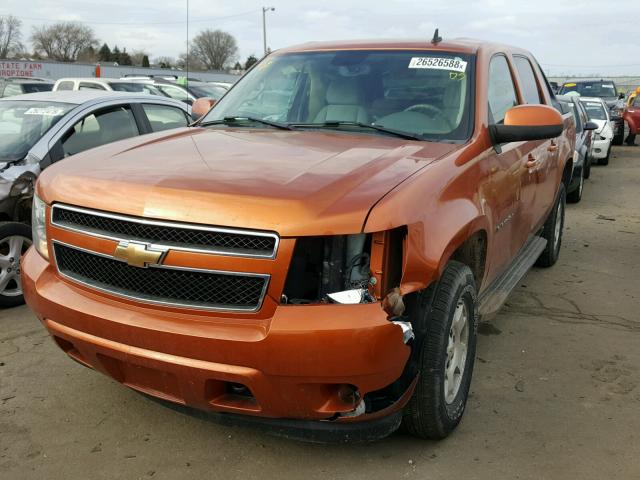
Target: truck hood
point(291, 182)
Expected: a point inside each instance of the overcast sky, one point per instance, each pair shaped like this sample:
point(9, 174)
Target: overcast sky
point(579, 37)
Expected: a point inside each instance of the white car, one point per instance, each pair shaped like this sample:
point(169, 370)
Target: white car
point(106, 84)
point(602, 138)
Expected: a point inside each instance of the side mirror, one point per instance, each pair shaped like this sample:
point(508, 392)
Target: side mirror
point(528, 122)
point(621, 95)
point(201, 107)
point(591, 126)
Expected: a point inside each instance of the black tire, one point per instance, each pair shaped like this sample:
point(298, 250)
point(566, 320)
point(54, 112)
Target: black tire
point(11, 294)
point(587, 168)
point(576, 195)
point(619, 138)
point(605, 160)
point(428, 414)
point(551, 252)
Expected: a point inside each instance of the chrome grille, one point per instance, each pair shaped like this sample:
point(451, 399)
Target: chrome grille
point(177, 236)
point(162, 284)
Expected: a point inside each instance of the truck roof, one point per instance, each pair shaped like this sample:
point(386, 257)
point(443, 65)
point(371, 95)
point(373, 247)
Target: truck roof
point(462, 45)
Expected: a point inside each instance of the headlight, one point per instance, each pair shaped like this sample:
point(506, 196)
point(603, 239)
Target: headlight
point(38, 225)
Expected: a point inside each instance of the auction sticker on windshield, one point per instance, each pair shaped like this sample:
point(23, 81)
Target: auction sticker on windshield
point(45, 111)
point(438, 63)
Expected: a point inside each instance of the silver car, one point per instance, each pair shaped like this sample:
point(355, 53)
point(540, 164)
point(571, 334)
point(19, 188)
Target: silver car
point(39, 129)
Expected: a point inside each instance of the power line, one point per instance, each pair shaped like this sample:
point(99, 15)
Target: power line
point(177, 22)
point(591, 65)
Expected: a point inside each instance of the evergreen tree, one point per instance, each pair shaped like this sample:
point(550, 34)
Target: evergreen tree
point(104, 54)
point(145, 61)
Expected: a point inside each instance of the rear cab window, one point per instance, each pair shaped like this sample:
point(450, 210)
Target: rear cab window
point(65, 86)
point(528, 83)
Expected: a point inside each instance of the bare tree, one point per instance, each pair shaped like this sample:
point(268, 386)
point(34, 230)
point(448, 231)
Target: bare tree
point(165, 62)
point(214, 48)
point(194, 62)
point(137, 57)
point(10, 36)
point(63, 41)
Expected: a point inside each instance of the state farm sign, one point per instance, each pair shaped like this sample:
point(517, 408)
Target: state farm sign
point(20, 69)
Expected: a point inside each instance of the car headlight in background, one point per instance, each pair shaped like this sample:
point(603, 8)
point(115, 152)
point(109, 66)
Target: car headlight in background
point(38, 225)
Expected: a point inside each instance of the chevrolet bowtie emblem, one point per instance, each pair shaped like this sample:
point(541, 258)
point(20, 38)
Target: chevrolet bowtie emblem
point(138, 254)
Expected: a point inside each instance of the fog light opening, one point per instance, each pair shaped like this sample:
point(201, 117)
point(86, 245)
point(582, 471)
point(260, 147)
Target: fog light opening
point(238, 389)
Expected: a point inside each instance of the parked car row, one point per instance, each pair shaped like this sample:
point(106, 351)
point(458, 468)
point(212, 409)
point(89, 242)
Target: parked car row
point(176, 88)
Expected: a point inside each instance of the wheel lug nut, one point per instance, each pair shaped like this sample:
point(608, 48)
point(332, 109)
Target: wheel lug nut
point(11, 260)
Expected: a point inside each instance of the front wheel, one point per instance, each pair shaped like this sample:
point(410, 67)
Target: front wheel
point(619, 138)
point(448, 312)
point(15, 239)
point(552, 231)
point(576, 195)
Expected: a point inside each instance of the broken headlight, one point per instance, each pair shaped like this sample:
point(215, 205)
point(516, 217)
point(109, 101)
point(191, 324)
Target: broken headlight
point(38, 225)
point(333, 268)
point(358, 268)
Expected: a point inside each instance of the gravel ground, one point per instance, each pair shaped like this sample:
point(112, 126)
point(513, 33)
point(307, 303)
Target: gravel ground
point(555, 393)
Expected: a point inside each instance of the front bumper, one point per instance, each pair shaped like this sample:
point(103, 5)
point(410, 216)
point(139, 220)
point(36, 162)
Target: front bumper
point(295, 366)
point(600, 148)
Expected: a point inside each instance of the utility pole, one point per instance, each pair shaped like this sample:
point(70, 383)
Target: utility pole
point(264, 26)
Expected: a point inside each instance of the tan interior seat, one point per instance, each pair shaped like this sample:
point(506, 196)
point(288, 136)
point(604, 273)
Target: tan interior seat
point(344, 103)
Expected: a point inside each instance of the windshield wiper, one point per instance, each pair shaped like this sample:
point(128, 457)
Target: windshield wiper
point(238, 120)
point(371, 126)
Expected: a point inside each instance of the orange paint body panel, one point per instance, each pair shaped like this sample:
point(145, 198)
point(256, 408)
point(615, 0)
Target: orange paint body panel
point(296, 360)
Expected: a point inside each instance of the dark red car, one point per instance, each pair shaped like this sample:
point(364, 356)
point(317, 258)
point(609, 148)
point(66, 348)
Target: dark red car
point(632, 118)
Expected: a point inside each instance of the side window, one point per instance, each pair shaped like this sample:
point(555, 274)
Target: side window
point(502, 93)
point(90, 86)
point(12, 89)
point(65, 86)
point(98, 129)
point(528, 84)
point(577, 117)
point(162, 117)
point(636, 101)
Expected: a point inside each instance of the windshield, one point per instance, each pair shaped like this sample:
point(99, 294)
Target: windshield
point(211, 91)
point(423, 93)
point(23, 123)
point(595, 110)
point(590, 89)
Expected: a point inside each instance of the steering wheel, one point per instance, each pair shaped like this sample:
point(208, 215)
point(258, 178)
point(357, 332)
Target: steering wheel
point(430, 110)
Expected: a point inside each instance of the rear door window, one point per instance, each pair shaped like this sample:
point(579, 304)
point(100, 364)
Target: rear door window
point(502, 92)
point(528, 84)
point(98, 129)
point(164, 117)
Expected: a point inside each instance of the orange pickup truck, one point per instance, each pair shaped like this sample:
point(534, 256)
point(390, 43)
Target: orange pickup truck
point(315, 253)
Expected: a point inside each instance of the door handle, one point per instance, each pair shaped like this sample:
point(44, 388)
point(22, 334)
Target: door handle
point(531, 161)
point(553, 147)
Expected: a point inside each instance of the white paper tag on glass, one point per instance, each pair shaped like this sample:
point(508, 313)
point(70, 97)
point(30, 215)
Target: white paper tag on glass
point(438, 63)
point(45, 111)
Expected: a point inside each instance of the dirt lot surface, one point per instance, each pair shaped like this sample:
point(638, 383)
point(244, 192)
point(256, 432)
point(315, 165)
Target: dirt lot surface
point(556, 391)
